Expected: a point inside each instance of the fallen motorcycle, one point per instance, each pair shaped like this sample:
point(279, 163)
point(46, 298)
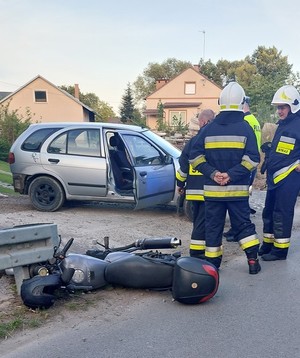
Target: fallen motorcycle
point(122, 266)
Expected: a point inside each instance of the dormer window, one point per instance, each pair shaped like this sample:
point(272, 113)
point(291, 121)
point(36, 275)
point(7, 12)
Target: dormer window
point(40, 96)
point(190, 88)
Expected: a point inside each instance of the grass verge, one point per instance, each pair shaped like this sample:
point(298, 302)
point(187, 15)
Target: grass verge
point(20, 319)
point(6, 180)
point(17, 317)
point(4, 166)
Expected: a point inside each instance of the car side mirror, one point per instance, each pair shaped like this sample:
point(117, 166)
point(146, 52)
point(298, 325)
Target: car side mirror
point(168, 159)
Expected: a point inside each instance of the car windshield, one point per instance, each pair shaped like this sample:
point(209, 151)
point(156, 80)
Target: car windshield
point(163, 144)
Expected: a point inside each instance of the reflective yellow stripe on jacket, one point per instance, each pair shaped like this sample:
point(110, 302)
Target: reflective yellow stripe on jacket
point(214, 142)
point(194, 194)
point(285, 145)
point(180, 175)
point(284, 172)
point(213, 191)
point(248, 163)
point(198, 160)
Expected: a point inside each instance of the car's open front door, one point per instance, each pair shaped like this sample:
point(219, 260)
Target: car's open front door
point(154, 185)
point(154, 173)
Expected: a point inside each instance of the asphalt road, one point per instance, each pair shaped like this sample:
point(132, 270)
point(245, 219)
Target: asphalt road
point(250, 316)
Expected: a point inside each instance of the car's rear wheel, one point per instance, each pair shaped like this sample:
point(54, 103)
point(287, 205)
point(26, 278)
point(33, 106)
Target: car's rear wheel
point(46, 194)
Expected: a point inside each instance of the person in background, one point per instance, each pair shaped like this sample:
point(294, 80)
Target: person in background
point(283, 176)
point(226, 153)
point(255, 125)
point(190, 183)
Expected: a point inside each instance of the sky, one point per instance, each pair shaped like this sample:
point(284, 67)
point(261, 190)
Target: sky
point(103, 45)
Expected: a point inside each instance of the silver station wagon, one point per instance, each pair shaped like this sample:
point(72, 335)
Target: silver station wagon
point(55, 162)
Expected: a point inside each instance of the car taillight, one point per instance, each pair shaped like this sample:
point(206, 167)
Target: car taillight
point(11, 158)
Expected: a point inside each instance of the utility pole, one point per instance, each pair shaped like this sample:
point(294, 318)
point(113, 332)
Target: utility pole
point(203, 31)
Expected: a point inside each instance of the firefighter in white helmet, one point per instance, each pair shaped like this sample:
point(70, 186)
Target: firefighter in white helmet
point(226, 153)
point(253, 122)
point(283, 176)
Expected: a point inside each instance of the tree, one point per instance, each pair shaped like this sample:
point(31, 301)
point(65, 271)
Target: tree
point(221, 72)
point(260, 74)
point(145, 84)
point(103, 111)
point(127, 106)
point(270, 62)
point(160, 122)
point(11, 126)
point(138, 119)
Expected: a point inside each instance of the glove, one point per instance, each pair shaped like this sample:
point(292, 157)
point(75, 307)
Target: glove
point(265, 148)
point(263, 167)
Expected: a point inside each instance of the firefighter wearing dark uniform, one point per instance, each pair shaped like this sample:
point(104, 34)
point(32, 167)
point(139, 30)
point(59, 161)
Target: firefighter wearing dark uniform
point(253, 122)
point(283, 176)
point(190, 182)
point(226, 152)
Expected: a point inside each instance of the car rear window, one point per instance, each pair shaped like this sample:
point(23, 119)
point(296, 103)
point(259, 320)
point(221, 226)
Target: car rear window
point(34, 142)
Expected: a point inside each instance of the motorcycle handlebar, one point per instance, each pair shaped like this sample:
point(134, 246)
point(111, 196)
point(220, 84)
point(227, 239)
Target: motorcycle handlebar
point(66, 247)
point(157, 243)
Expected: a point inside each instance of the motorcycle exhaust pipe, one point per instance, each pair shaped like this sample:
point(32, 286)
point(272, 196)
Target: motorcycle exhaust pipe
point(157, 243)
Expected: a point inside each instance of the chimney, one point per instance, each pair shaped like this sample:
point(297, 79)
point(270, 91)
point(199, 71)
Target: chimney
point(76, 91)
point(160, 83)
point(197, 68)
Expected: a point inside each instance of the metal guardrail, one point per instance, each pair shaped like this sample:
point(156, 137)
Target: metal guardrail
point(23, 245)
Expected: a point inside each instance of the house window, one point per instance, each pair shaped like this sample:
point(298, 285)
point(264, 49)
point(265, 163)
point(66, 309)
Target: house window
point(40, 96)
point(190, 88)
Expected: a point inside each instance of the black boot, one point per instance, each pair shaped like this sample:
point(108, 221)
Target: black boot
point(230, 235)
point(254, 266)
point(272, 257)
point(265, 248)
point(199, 254)
point(275, 254)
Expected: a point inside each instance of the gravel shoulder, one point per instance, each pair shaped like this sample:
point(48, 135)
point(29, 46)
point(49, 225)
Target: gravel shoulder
point(93, 221)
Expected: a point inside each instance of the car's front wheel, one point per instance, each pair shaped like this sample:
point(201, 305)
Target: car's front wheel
point(46, 194)
point(188, 209)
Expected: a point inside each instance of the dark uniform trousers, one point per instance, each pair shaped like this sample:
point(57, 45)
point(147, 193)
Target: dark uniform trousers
point(197, 246)
point(278, 215)
point(239, 213)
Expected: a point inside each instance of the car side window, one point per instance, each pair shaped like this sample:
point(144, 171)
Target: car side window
point(143, 152)
point(83, 142)
point(35, 140)
point(59, 144)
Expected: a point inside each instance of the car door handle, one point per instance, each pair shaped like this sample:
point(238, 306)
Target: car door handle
point(143, 174)
point(53, 160)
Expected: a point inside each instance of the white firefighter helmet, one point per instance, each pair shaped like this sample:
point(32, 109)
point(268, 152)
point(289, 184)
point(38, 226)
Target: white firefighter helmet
point(287, 95)
point(232, 97)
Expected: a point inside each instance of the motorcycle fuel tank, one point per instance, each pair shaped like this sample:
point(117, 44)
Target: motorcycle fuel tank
point(88, 272)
